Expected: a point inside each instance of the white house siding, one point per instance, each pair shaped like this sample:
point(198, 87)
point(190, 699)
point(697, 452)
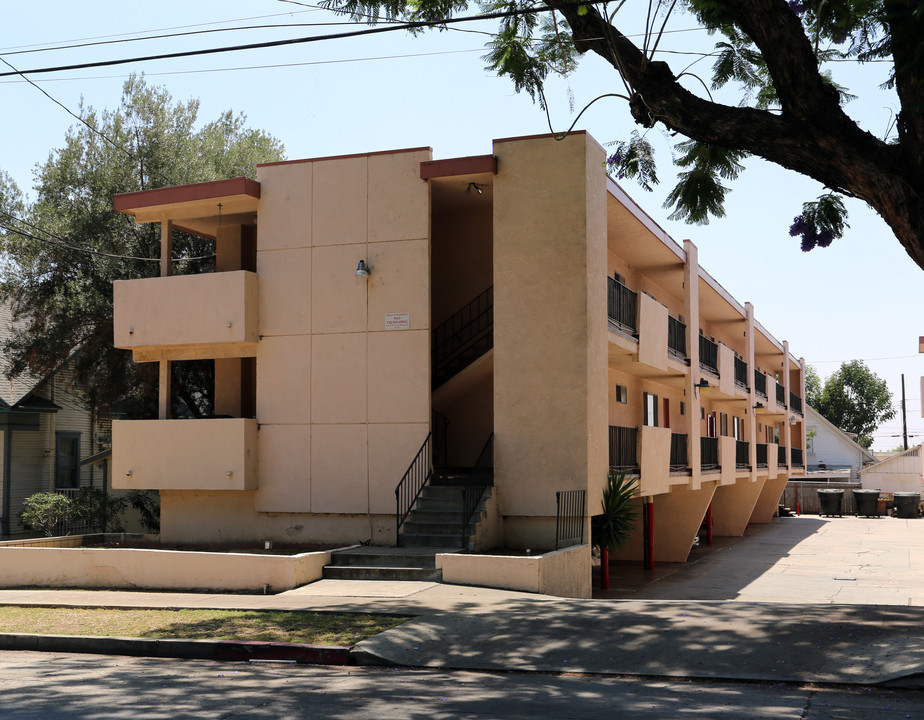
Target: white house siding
point(902, 473)
point(29, 468)
point(831, 446)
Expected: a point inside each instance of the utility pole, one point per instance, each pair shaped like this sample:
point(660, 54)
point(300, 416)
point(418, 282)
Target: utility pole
point(904, 415)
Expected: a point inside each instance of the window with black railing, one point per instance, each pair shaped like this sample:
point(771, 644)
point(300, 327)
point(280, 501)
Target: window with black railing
point(761, 455)
point(623, 447)
point(742, 454)
point(797, 457)
point(780, 395)
point(622, 305)
point(741, 373)
point(781, 455)
point(679, 451)
point(676, 338)
point(795, 403)
point(708, 355)
point(760, 383)
point(708, 453)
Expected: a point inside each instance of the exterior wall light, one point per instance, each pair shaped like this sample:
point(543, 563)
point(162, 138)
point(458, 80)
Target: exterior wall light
point(362, 269)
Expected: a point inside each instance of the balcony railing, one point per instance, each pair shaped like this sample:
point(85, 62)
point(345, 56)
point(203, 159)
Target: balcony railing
point(622, 306)
point(709, 453)
point(760, 383)
point(676, 338)
point(708, 355)
point(780, 395)
point(797, 457)
point(741, 373)
point(761, 455)
point(623, 447)
point(742, 454)
point(679, 451)
point(795, 403)
point(781, 456)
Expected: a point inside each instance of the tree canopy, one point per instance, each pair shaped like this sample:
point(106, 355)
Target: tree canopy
point(854, 399)
point(776, 54)
point(63, 250)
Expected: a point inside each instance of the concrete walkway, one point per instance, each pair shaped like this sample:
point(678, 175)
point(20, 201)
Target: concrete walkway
point(803, 599)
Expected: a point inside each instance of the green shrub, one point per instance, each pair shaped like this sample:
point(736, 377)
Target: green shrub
point(43, 511)
point(612, 527)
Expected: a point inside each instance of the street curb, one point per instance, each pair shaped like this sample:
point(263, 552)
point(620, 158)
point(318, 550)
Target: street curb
point(224, 650)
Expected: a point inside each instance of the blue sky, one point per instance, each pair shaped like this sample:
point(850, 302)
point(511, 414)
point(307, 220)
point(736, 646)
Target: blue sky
point(854, 300)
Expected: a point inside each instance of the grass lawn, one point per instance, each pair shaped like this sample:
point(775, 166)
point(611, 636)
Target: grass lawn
point(296, 627)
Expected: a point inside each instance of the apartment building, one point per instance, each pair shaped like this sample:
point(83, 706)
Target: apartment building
point(384, 321)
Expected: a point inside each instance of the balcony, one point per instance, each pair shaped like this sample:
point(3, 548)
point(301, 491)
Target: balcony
point(622, 306)
point(708, 355)
point(761, 455)
point(795, 403)
point(213, 454)
point(676, 338)
point(187, 317)
point(760, 383)
point(797, 457)
point(741, 373)
point(623, 448)
point(709, 453)
point(742, 454)
point(679, 456)
point(780, 395)
point(781, 456)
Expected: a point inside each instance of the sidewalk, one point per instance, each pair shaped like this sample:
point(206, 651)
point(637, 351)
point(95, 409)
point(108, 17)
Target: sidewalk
point(802, 600)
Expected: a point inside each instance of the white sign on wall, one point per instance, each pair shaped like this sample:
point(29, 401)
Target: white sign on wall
point(397, 321)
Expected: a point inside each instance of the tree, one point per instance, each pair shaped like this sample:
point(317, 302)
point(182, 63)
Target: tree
point(856, 400)
point(775, 53)
point(64, 250)
point(43, 512)
point(813, 387)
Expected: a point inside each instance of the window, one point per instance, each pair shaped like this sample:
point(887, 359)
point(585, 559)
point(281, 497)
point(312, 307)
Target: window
point(683, 408)
point(738, 424)
point(67, 459)
point(810, 440)
point(723, 424)
point(621, 394)
point(651, 410)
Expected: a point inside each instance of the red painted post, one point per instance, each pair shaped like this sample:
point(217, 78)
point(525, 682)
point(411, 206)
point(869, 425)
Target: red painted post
point(798, 510)
point(709, 525)
point(604, 568)
point(649, 510)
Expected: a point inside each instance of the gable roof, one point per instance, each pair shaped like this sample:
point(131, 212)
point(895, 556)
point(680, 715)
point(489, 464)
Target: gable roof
point(812, 415)
point(15, 390)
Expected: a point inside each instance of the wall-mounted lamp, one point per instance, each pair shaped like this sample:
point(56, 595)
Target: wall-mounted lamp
point(362, 269)
point(702, 386)
point(476, 187)
point(759, 408)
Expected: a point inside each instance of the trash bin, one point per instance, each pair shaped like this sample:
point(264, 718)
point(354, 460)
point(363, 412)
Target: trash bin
point(907, 503)
point(832, 502)
point(867, 502)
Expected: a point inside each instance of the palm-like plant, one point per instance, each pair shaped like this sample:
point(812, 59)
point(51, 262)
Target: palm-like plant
point(612, 527)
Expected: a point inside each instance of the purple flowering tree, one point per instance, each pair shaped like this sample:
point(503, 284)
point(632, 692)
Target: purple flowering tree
point(774, 51)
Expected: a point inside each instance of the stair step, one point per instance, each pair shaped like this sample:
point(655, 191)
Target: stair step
point(435, 516)
point(441, 492)
point(378, 572)
point(429, 540)
point(438, 505)
point(416, 527)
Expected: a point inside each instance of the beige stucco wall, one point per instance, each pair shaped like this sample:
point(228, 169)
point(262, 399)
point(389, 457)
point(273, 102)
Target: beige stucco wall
point(733, 505)
point(652, 339)
point(565, 573)
point(768, 503)
point(156, 569)
point(550, 351)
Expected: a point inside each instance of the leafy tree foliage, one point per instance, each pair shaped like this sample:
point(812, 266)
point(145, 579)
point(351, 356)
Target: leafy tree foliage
point(813, 387)
point(43, 512)
point(856, 400)
point(775, 54)
point(63, 250)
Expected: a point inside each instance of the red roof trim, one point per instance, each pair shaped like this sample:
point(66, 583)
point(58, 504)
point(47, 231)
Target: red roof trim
point(458, 166)
point(126, 202)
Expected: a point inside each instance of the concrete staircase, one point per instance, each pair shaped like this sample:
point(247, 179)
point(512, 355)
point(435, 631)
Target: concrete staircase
point(384, 563)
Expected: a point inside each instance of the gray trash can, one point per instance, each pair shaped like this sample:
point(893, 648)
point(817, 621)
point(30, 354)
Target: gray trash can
point(832, 502)
point(907, 503)
point(867, 502)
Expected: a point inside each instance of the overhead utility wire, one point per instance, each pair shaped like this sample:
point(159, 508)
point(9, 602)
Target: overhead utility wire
point(283, 43)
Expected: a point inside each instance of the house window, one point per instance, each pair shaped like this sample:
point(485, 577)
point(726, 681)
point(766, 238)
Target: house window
point(738, 425)
point(683, 408)
point(621, 394)
point(810, 440)
point(651, 410)
point(67, 459)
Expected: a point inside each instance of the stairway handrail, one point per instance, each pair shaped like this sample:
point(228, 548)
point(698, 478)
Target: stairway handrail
point(481, 479)
point(482, 319)
point(414, 480)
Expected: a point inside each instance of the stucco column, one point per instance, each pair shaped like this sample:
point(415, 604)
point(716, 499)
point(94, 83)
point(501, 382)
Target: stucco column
point(787, 428)
point(691, 309)
point(166, 268)
point(750, 418)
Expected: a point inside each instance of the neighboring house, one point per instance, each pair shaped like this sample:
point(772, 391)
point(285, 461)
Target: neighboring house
point(483, 318)
point(831, 449)
point(903, 472)
point(48, 431)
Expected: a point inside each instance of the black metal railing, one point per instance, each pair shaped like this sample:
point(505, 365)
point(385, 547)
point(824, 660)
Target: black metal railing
point(679, 456)
point(457, 341)
point(780, 395)
point(622, 305)
point(481, 479)
point(797, 457)
point(408, 490)
point(795, 403)
point(741, 373)
point(676, 338)
point(708, 355)
point(569, 517)
point(623, 447)
point(72, 526)
point(440, 425)
point(708, 453)
point(760, 383)
point(742, 454)
point(761, 455)
point(781, 455)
